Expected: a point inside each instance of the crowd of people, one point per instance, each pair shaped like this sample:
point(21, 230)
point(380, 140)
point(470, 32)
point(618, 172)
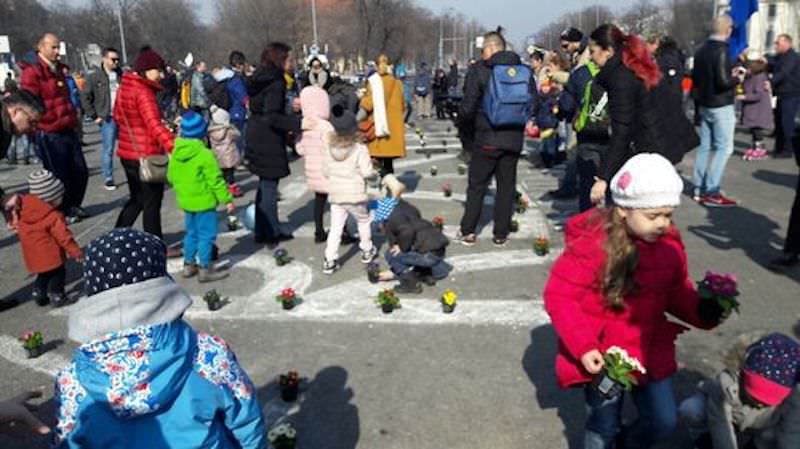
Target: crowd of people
point(614, 102)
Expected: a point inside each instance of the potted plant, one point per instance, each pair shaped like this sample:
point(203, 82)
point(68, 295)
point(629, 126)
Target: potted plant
point(522, 204)
point(617, 376)
point(438, 222)
point(290, 384)
point(388, 301)
point(444, 144)
point(722, 288)
point(32, 341)
point(373, 272)
point(213, 300)
point(282, 257)
point(541, 246)
point(233, 223)
point(283, 436)
point(288, 298)
point(418, 131)
point(462, 169)
point(434, 170)
point(514, 226)
point(449, 299)
point(447, 189)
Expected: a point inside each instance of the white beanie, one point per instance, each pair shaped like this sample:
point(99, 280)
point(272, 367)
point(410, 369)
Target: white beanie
point(220, 117)
point(647, 181)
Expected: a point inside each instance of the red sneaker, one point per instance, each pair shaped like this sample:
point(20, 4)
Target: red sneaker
point(235, 190)
point(719, 200)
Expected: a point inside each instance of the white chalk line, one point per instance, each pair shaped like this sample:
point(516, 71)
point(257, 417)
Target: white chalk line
point(49, 363)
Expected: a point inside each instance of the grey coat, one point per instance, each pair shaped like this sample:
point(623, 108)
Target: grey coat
point(96, 99)
point(757, 103)
point(733, 424)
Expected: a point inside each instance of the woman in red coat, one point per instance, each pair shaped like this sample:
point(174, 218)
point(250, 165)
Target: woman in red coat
point(624, 268)
point(141, 133)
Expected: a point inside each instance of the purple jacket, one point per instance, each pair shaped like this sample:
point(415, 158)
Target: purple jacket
point(757, 104)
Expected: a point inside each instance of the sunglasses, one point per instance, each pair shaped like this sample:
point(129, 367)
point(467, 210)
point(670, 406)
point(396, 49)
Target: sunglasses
point(114, 59)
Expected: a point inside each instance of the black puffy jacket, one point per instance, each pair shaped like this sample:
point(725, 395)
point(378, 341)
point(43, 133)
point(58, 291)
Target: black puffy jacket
point(269, 124)
point(785, 70)
point(714, 85)
point(470, 110)
point(406, 228)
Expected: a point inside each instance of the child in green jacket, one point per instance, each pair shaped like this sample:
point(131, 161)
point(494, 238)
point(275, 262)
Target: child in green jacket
point(199, 187)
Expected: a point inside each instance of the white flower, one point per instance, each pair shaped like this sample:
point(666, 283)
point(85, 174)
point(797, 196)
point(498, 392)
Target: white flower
point(272, 435)
point(291, 433)
point(625, 357)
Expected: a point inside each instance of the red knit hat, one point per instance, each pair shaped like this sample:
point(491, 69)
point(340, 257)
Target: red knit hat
point(148, 59)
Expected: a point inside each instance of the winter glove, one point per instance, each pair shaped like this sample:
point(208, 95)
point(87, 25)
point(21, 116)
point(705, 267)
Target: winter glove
point(710, 312)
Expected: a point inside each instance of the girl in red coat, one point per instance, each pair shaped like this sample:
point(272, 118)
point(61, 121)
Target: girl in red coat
point(624, 268)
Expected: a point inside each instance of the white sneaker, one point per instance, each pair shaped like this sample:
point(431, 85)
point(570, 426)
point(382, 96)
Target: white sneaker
point(330, 267)
point(369, 256)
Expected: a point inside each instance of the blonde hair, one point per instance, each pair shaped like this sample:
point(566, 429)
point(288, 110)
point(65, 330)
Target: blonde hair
point(345, 141)
point(622, 259)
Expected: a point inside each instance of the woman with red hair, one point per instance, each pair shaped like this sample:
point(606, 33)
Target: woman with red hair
point(629, 74)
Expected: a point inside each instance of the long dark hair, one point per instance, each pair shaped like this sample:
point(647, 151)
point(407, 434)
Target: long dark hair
point(632, 50)
point(275, 55)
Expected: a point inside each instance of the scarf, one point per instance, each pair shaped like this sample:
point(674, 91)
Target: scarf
point(379, 106)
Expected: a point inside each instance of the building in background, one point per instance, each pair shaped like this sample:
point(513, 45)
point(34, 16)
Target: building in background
point(774, 17)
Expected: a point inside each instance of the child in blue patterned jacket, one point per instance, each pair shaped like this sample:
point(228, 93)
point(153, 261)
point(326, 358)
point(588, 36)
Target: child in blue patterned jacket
point(142, 377)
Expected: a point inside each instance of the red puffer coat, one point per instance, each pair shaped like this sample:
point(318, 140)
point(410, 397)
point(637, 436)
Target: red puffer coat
point(141, 132)
point(59, 115)
point(583, 322)
point(44, 236)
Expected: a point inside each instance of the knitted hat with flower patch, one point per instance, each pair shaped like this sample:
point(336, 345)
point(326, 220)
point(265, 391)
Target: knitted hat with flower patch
point(647, 181)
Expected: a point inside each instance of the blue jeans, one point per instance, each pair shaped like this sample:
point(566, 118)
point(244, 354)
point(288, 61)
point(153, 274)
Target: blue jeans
point(658, 416)
point(201, 233)
point(717, 126)
point(108, 135)
point(241, 126)
point(404, 262)
point(268, 228)
point(23, 141)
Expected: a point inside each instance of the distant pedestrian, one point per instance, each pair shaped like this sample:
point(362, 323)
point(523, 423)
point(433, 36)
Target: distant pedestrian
point(384, 105)
point(98, 99)
point(785, 70)
point(422, 92)
point(45, 238)
point(57, 141)
point(199, 97)
point(347, 166)
point(441, 90)
point(757, 114)
point(237, 91)
point(714, 89)
point(10, 84)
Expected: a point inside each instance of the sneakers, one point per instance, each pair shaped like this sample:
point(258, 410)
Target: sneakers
point(718, 200)
point(40, 298)
point(109, 185)
point(369, 256)
point(189, 270)
point(210, 275)
point(500, 242)
point(467, 240)
point(235, 191)
point(755, 154)
point(58, 299)
point(330, 267)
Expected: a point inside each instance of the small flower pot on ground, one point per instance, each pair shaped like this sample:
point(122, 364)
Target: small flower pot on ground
point(447, 189)
point(462, 169)
point(373, 272)
point(290, 386)
point(522, 205)
point(283, 436)
point(514, 226)
point(388, 301)
point(32, 342)
point(282, 257)
point(434, 170)
point(288, 298)
point(213, 300)
point(233, 223)
point(438, 222)
point(541, 246)
point(449, 300)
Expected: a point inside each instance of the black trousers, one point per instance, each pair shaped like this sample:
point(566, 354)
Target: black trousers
point(61, 154)
point(229, 175)
point(145, 198)
point(320, 201)
point(786, 112)
point(792, 245)
point(51, 282)
point(386, 166)
point(488, 162)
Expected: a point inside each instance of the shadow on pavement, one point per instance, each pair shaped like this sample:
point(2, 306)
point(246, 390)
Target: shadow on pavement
point(323, 415)
point(776, 178)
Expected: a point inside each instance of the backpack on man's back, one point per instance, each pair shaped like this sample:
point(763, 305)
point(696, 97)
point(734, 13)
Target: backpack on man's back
point(508, 100)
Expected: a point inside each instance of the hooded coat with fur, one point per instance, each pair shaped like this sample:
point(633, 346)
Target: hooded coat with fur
point(313, 145)
point(345, 168)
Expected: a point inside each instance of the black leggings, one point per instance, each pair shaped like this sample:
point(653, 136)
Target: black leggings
point(145, 198)
point(758, 136)
point(228, 175)
point(386, 166)
point(51, 282)
point(320, 201)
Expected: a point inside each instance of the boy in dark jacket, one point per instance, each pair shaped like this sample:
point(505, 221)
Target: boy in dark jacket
point(44, 237)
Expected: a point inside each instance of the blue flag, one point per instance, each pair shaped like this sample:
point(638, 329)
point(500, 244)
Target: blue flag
point(741, 10)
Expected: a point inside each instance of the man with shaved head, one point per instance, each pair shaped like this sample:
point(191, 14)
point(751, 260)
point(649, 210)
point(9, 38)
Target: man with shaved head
point(57, 141)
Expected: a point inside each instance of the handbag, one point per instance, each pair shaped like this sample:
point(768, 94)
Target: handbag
point(152, 169)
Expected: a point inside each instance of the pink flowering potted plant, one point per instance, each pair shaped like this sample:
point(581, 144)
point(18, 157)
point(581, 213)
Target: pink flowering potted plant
point(722, 288)
point(32, 341)
point(288, 298)
point(388, 301)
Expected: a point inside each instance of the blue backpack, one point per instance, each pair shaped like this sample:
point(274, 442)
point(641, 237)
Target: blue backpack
point(508, 101)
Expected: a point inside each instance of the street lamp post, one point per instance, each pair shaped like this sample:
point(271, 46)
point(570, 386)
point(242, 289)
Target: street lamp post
point(122, 35)
point(314, 21)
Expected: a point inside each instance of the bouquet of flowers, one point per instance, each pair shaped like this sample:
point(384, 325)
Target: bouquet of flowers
point(438, 222)
point(618, 373)
point(388, 301)
point(32, 341)
point(283, 436)
point(288, 298)
point(447, 189)
point(449, 298)
point(282, 257)
point(721, 288)
point(290, 384)
point(541, 246)
point(522, 204)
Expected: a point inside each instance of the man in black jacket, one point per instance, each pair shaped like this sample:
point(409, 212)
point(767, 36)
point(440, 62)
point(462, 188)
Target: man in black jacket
point(785, 69)
point(714, 91)
point(496, 150)
point(98, 102)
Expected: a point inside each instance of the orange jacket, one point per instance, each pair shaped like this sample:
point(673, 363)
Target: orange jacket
point(44, 236)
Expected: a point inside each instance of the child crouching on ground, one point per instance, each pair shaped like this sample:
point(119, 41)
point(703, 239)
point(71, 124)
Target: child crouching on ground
point(754, 402)
point(347, 165)
point(143, 377)
point(199, 188)
point(44, 237)
point(222, 136)
point(623, 269)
